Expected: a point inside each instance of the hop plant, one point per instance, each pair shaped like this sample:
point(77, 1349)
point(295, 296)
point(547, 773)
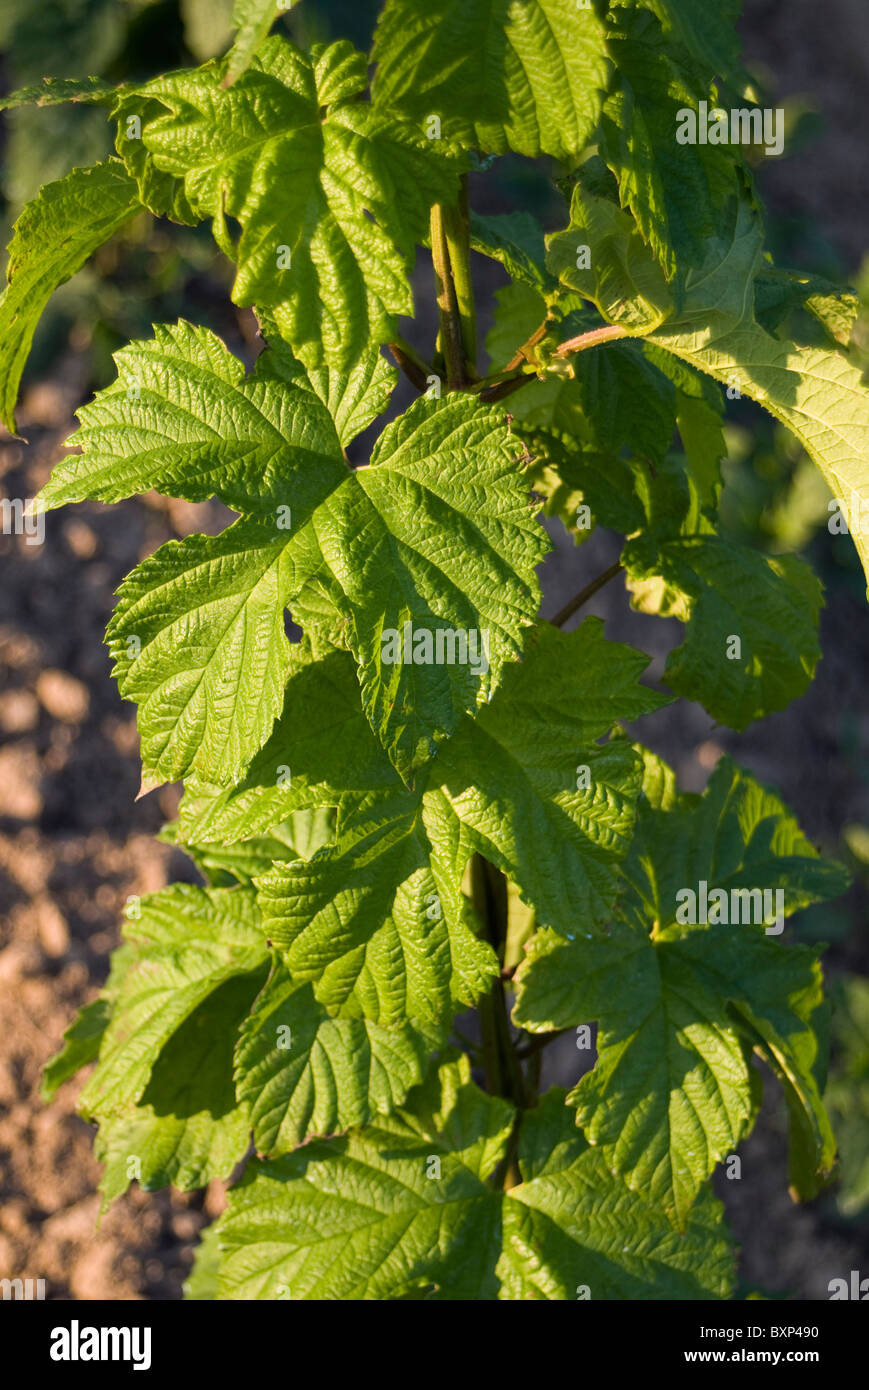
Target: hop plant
point(430, 803)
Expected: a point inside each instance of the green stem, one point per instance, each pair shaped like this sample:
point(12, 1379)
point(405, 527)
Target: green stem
point(503, 1070)
point(539, 1042)
point(486, 909)
point(513, 1074)
point(490, 1052)
point(448, 308)
point(457, 230)
point(504, 384)
point(534, 1070)
point(585, 594)
point(507, 1174)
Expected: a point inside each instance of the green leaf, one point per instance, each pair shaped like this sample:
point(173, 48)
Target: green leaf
point(439, 539)
point(322, 748)
point(622, 278)
point(779, 294)
point(501, 75)
point(738, 835)
point(253, 19)
point(535, 790)
point(405, 1208)
point(675, 192)
point(56, 91)
point(198, 642)
point(183, 419)
point(573, 1230)
point(201, 1283)
point(818, 394)
point(433, 547)
point(770, 605)
point(670, 1095)
point(299, 836)
point(702, 433)
point(303, 1073)
point(707, 32)
point(378, 921)
point(359, 1217)
point(331, 194)
point(671, 1092)
point(553, 456)
point(81, 1045)
point(160, 192)
point(187, 1127)
point(626, 400)
point(353, 398)
point(52, 239)
point(516, 240)
point(751, 644)
point(184, 945)
point(727, 594)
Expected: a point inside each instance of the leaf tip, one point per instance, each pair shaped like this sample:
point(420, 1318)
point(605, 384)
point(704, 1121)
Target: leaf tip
point(148, 784)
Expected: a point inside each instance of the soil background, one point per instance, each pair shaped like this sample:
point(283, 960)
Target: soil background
point(74, 843)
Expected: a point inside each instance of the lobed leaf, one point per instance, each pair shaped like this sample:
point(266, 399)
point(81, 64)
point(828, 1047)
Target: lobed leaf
point(679, 1009)
point(330, 192)
point(81, 1045)
point(751, 642)
point(435, 537)
point(573, 1230)
point(182, 418)
point(405, 1208)
point(198, 642)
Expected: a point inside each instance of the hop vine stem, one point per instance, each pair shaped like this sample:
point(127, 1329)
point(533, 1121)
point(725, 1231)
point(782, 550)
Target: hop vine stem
point(573, 605)
point(457, 229)
point(448, 304)
point(503, 1071)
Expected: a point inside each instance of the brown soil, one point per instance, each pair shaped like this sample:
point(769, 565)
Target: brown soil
point(73, 845)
